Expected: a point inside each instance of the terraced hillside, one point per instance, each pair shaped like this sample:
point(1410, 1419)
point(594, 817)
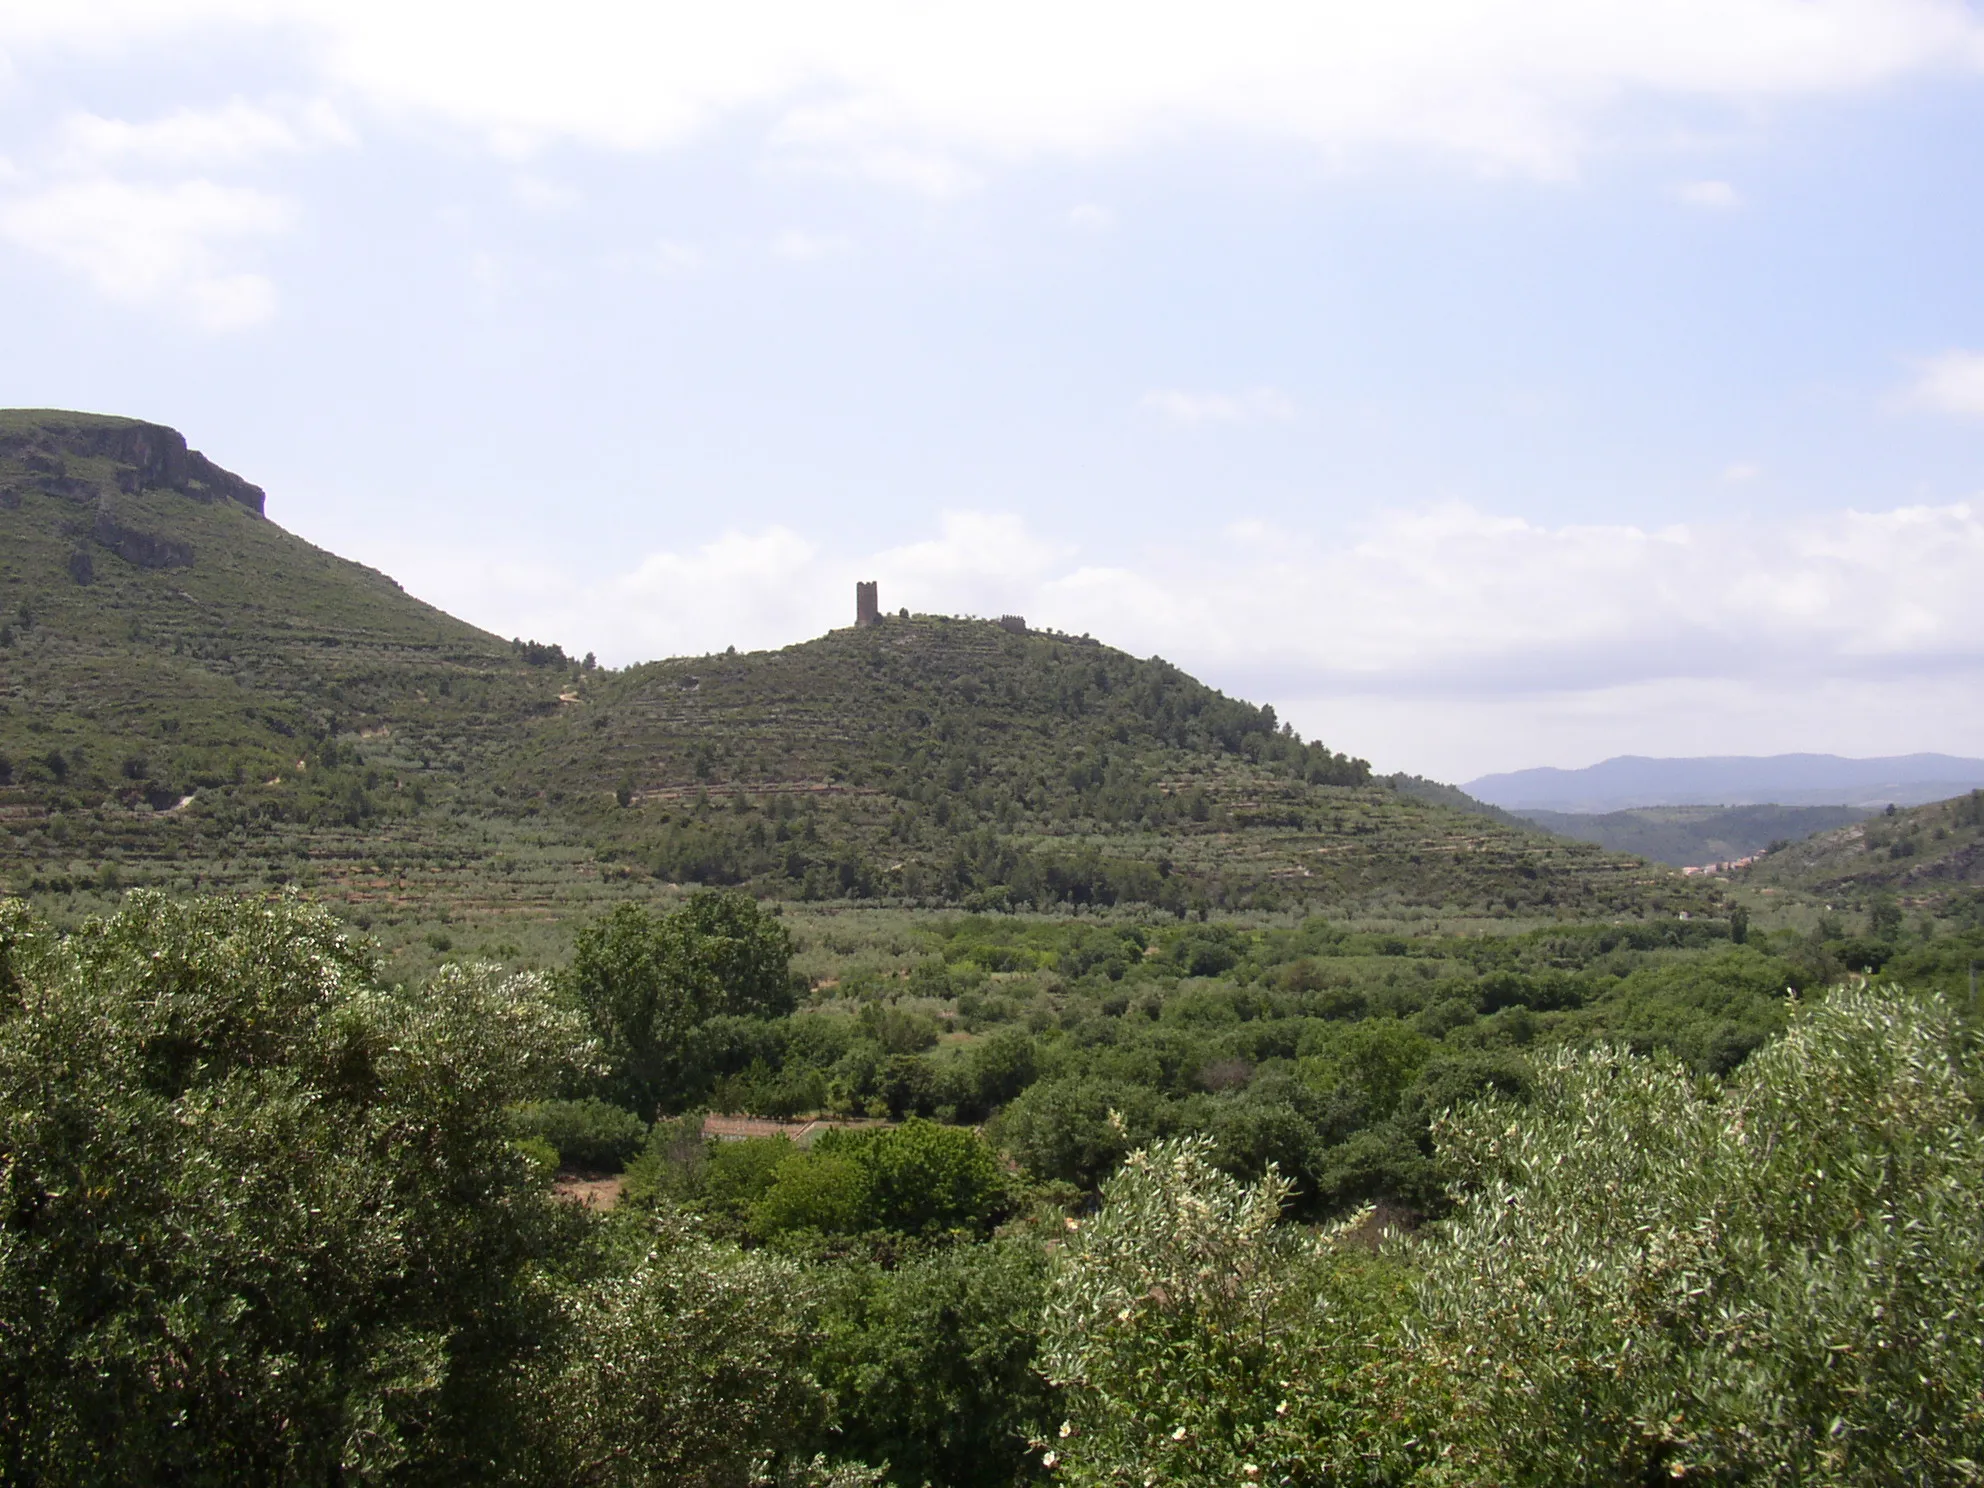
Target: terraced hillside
point(952, 761)
point(1929, 858)
point(1700, 835)
point(191, 696)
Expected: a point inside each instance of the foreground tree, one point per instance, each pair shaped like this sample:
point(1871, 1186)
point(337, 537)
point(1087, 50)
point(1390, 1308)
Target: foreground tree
point(260, 1218)
point(1198, 1339)
point(1776, 1282)
point(1649, 1275)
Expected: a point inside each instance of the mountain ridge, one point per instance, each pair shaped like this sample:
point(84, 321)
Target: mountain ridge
point(1627, 782)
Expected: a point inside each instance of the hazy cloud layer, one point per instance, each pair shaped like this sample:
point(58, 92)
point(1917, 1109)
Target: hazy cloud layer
point(916, 93)
point(928, 100)
point(1406, 639)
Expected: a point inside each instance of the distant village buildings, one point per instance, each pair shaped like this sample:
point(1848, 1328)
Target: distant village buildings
point(1715, 868)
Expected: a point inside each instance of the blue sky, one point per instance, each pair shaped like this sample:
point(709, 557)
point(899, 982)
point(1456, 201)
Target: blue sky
point(1484, 384)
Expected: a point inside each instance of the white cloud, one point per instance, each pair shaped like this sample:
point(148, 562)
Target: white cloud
point(195, 139)
point(1951, 383)
point(1255, 406)
point(155, 245)
point(1443, 640)
point(748, 590)
point(1717, 196)
point(666, 258)
point(807, 247)
point(1091, 218)
point(134, 207)
point(933, 94)
point(536, 194)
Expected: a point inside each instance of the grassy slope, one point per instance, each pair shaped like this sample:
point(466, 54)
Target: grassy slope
point(1930, 857)
point(1696, 834)
point(334, 731)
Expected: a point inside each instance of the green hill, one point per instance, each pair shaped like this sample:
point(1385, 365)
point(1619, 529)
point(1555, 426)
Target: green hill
point(1929, 857)
point(194, 697)
point(1696, 835)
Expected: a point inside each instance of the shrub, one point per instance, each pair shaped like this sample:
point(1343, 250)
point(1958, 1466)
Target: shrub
point(931, 1363)
point(694, 1375)
point(916, 1179)
point(586, 1134)
point(1198, 1340)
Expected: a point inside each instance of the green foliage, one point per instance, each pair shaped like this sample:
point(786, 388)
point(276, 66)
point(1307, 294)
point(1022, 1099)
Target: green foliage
point(260, 1217)
point(1773, 1283)
point(647, 982)
point(1197, 1339)
point(1649, 1276)
point(931, 1364)
point(919, 1180)
point(589, 1134)
point(693, 1375)
point(1076, 1130)
point(925, 1179)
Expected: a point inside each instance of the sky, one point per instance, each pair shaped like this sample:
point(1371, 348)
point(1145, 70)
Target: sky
point(1484, 385)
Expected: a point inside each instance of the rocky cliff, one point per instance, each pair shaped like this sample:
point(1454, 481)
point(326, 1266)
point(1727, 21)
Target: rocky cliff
point(64, 454)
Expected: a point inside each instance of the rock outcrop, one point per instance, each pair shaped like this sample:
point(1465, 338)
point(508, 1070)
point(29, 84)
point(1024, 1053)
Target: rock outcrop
point(146, 549)
point(146, 457)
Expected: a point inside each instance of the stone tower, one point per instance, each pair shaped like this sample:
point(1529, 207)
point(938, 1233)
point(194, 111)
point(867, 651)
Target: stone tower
point(867, 608)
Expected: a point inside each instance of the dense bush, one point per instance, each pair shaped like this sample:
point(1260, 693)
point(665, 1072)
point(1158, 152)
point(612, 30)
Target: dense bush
point(1648, 1277)
point(1774, 1283)
point(932, 1363)
point(649, 982)
point(916, 1180)
point(589, 1135)
point(260, 1218)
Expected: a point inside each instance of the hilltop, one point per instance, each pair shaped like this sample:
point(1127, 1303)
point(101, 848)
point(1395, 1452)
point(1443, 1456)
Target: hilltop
point(195, 697)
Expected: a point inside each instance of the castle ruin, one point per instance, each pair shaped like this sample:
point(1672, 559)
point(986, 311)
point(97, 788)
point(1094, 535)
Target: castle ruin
point(867, 606)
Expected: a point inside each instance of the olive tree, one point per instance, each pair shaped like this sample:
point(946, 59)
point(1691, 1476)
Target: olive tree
point(1777, 1281)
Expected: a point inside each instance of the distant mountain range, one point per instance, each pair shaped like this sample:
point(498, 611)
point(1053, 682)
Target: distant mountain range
point(1630, 781)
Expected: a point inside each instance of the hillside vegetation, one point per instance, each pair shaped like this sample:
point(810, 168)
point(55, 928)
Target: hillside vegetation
point(1687, 836)
point(194, 698)
point(1927, 859)
point(265, 1216)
